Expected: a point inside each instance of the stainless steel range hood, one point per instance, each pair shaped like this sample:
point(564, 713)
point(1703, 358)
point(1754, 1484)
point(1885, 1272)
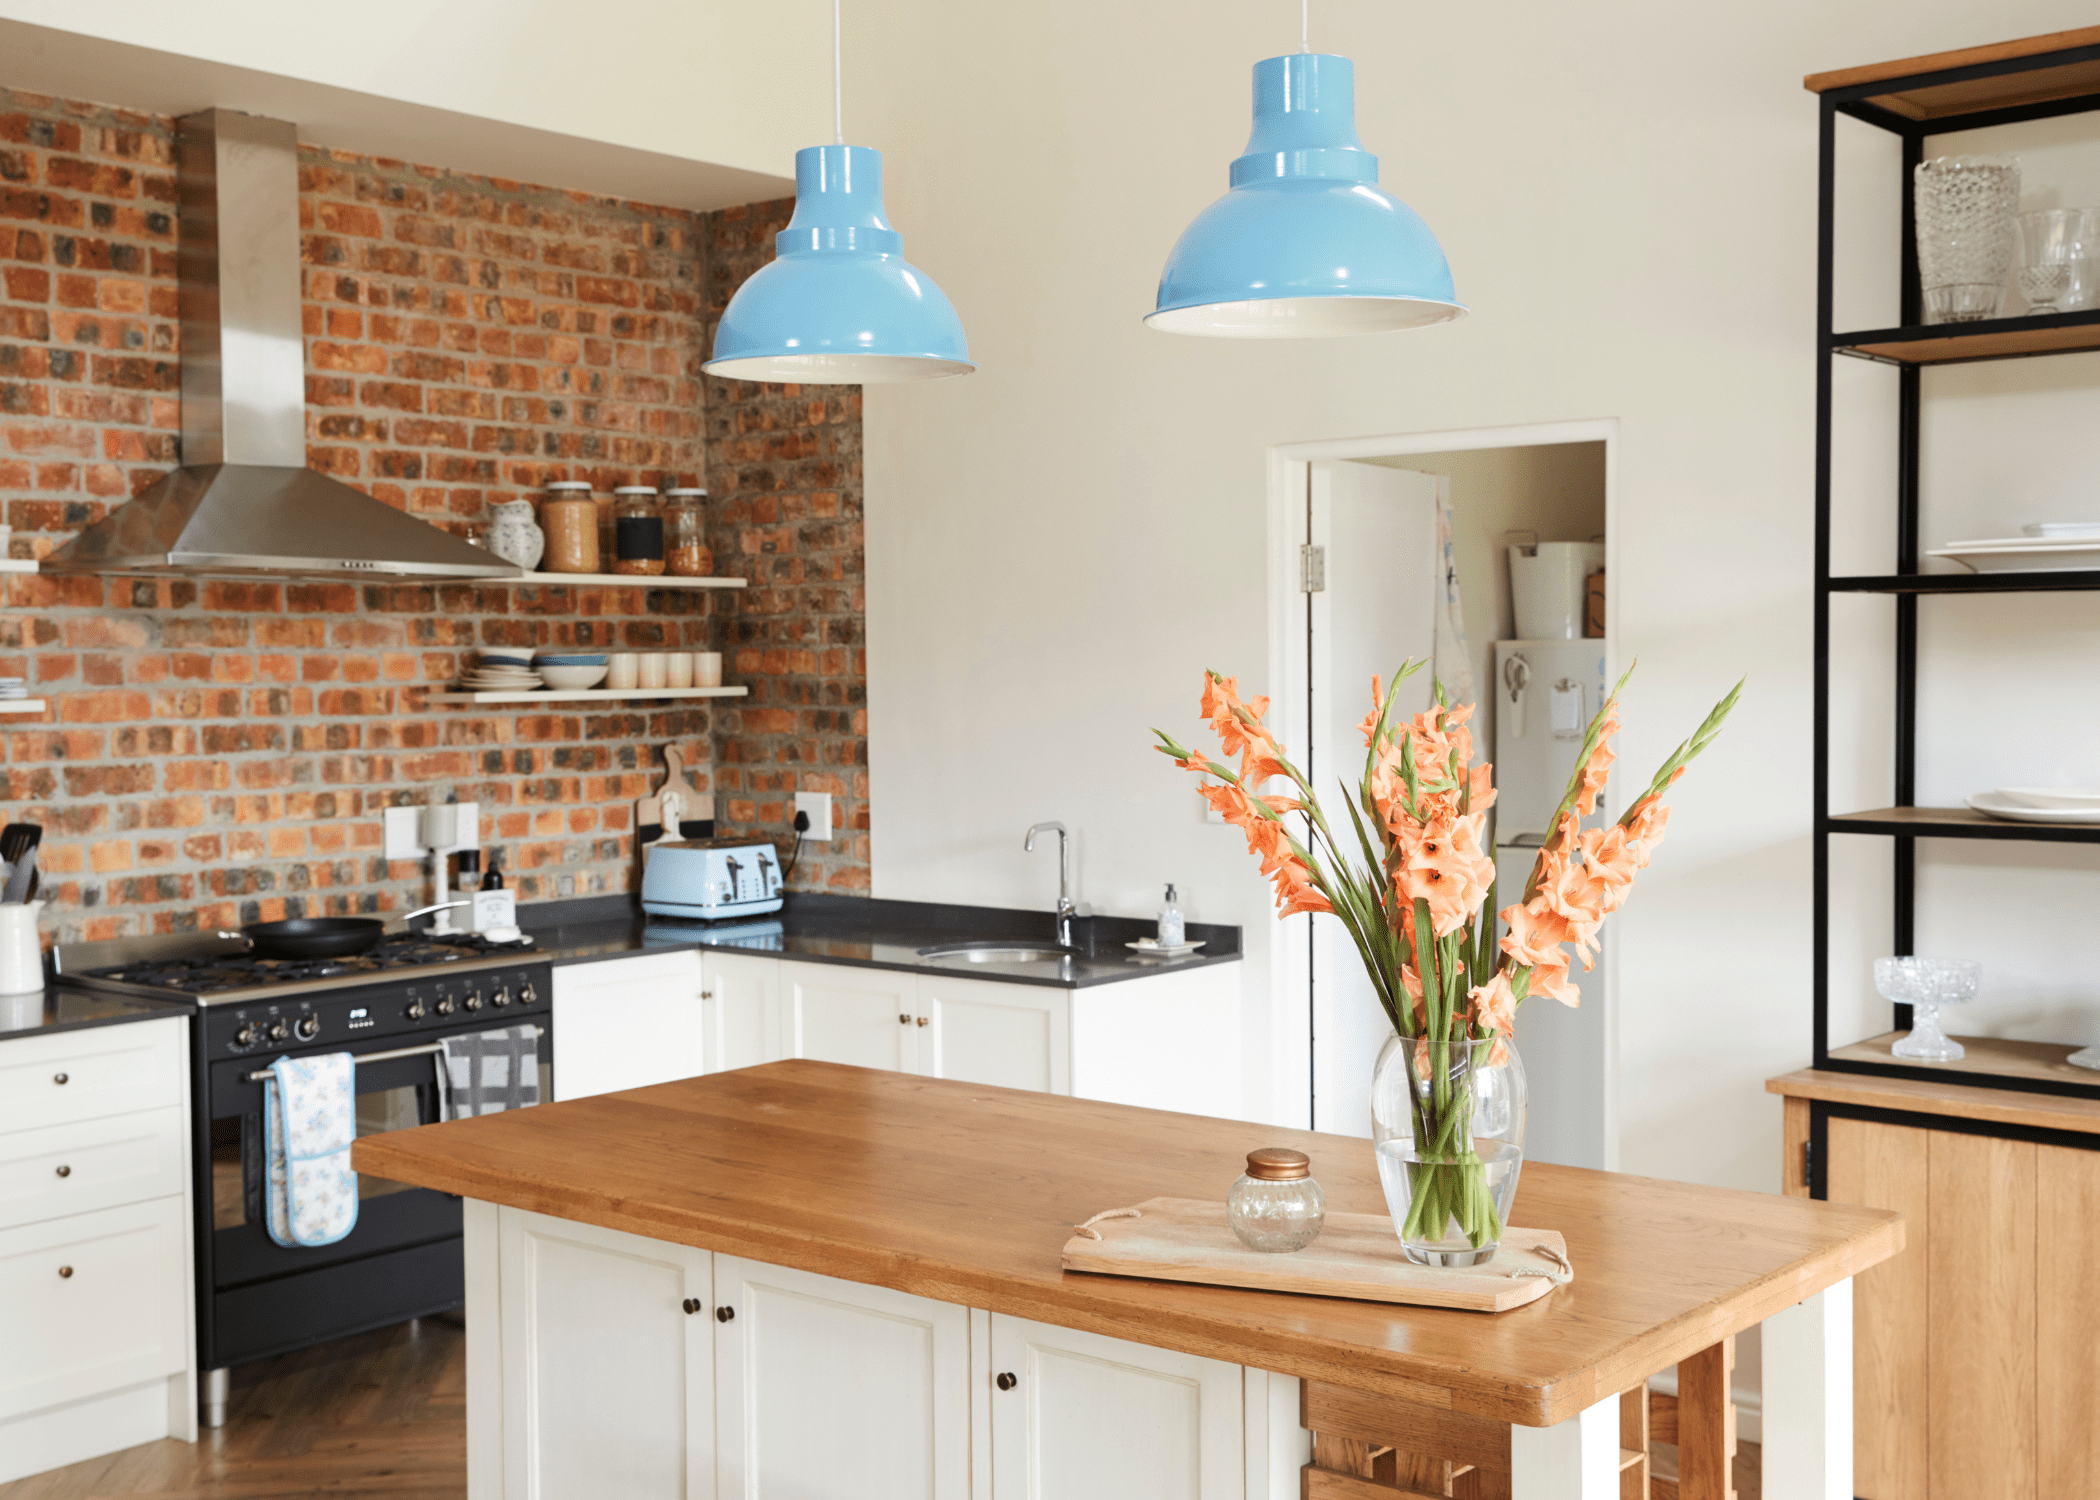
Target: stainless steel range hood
point(244, 504)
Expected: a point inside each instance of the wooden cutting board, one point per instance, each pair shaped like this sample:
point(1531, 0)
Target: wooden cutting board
point(1356, 1255)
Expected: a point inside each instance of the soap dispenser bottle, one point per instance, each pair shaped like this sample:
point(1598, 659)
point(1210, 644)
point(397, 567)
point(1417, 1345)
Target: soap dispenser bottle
point(1172, 931)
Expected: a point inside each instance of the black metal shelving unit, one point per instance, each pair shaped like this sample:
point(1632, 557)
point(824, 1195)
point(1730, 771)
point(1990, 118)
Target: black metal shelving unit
point(2005, 85)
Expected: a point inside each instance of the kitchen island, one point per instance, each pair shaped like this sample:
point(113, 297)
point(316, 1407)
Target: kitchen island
point(805, 1279)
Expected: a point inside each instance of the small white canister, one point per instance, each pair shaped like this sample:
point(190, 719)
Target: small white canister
point(21, 955)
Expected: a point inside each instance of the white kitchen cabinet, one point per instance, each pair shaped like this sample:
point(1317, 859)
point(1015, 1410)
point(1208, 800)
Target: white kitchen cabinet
point(1018, 1036)
point(1076, 1416)
point(742, 1010)
point(627, 1022)
point(607, 1363)
point(95, 1291)
point(831, 1388)
point(836, 1013)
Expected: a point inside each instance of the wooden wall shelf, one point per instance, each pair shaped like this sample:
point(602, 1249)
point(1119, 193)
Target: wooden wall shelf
point(2034, 1064)
point(1965, 343)
point(586, 695)
point(18, 565)
point(623, 580)
point(1985, 80)
point(23, 705)
point(1959, 823)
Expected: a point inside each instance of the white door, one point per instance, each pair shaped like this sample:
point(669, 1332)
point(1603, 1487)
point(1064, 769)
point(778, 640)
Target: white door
point(627, 1022)
point(830, 1390)
point(1378, 609)
point(608, 1375)
point(742, 1002)
point(1018, 1036)
point(867, 1017)
point(1076, 1416)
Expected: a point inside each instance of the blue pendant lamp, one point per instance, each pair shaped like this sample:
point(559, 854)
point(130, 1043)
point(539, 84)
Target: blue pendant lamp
point(1305, 245)
point(839, 304)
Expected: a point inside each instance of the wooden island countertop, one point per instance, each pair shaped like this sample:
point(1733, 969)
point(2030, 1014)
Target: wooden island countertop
point(966, 1194)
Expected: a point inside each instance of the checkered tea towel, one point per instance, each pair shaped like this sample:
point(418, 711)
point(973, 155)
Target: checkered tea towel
point(486, 1072)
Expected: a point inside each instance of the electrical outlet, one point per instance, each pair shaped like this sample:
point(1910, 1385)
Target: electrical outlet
point(818, 806)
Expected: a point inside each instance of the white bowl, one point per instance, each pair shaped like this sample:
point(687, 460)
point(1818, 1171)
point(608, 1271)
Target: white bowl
point(570, 679)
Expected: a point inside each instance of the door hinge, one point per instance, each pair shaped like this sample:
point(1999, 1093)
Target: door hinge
point(1312, 570)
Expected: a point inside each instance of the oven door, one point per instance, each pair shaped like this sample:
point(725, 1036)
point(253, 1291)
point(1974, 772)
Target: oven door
point(401, 1260)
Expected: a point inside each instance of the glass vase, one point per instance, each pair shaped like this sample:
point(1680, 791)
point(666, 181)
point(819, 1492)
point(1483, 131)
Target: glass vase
point(1447, 1120)
point(1965, 207)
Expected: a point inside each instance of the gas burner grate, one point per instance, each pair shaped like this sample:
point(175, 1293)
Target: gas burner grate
point(209, 974)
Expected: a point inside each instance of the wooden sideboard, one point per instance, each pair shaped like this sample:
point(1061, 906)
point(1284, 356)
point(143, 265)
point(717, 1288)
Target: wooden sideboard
point(1977, 1348)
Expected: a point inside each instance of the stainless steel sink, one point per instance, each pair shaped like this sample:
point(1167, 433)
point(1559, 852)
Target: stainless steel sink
point(994, 953)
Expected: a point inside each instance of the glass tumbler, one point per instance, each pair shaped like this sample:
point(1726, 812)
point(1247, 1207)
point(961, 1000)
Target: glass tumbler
point(1965, 207)
point(1925, 984)
point(1276, 1205)
point(2052, 251)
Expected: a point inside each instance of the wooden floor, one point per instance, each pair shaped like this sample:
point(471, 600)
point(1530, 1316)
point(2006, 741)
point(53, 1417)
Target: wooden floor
point(383, 1414)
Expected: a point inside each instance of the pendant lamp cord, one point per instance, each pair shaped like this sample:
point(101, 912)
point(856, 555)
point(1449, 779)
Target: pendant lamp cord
point(1304, 25)
point(838, 87)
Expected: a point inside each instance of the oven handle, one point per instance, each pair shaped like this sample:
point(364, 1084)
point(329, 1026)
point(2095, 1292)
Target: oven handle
point(365, 1057)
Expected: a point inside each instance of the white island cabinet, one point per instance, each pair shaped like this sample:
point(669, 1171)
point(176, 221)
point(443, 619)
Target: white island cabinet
point(1164, 1040)
point(619, 1365)
point(95, 1297)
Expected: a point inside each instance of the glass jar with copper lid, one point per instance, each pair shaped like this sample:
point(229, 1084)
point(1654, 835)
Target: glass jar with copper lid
point(569, 516)
point(686, 552)
point(638, 530)
point(1276, 1205)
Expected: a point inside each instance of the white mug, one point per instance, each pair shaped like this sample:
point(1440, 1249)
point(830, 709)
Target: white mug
point(620, 670)
point(678, 670)
point(707, 669)
point(651, 670)
point(21, 955)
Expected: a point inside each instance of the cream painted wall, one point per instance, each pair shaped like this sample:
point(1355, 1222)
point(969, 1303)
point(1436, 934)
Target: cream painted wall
point(1058, 544)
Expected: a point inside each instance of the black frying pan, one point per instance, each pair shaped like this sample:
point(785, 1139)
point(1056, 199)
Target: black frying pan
point(320, 937)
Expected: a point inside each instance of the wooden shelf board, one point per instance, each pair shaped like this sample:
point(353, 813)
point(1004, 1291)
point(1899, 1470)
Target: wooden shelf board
point(2038, 1062)
point(624, 580)
point(1959, 823)
point(1938, 101)
point(2062, 580)
point(22, 705)
point(1964, 343)
point(18, 565)
point(586, 695)
point(1947, 1094)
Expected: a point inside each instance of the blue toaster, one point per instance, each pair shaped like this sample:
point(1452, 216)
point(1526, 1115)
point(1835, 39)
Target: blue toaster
point(710, 882)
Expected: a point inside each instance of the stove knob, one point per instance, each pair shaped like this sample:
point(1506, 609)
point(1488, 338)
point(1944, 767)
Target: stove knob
point(308, 1028)
point(415, 1011)
point(445, 1007)
point(527, 994)
point(247, 1036)
point(502, 994)
point(474, 1001)
point(279, 1030)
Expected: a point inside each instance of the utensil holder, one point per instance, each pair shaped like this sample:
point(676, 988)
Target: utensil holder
point(21, 953)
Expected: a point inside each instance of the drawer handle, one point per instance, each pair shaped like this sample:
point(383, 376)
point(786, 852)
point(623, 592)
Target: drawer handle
point(58, 1078)
point(65, 1171)
point(65, 1273)
point(692, 1305)
point(724, 1314)
point(904, 1020)
point(1007, 1380)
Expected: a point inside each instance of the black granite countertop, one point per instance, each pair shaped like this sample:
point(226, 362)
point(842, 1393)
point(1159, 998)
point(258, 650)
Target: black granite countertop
point(63, 1009)
point(871, 934)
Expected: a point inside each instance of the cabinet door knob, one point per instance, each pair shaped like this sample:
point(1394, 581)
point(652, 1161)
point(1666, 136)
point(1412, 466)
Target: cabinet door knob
point(1007, 1380)
point(65, 1273)
point(65, 1171)
point(58, 1078)
point(904, 1020)
point(725, 1314)
point(692, 1305)
point(922, 1020)
point(707, 994)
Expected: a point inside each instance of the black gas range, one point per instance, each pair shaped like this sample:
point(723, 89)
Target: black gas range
point(390, 1008)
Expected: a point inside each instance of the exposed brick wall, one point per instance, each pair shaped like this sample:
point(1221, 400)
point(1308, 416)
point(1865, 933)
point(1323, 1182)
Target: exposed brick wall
point(784, 472)
point(218, 751)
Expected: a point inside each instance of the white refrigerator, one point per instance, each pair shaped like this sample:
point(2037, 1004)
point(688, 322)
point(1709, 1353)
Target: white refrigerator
point(1545, 693)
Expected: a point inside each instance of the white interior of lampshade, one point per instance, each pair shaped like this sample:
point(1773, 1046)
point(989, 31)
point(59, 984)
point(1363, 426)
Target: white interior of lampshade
point(1304, 317)
point(837, 369)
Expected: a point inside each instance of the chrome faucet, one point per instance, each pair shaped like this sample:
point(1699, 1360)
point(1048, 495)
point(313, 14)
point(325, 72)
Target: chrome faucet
point(1065, 908)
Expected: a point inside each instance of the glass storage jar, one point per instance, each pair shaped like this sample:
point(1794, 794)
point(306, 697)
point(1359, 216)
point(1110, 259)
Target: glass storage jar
point(638, 530)
point(1276, 1205)
point(686, 552)
point(569, 516)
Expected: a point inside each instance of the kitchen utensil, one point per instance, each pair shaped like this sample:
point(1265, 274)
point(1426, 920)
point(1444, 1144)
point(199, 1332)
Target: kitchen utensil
point(1965, 206)
point(323, 937)
point(1999, 805)
point(1925, 984)
point(21, 955)
point(18, 843)
point(571, 679)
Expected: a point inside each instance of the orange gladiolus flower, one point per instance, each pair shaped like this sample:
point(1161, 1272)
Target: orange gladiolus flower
point(1597, 769)
point(1447, 869)
point(1535, 933)
point(1550, 979)
point(1295, 891)
point(1494, 1004)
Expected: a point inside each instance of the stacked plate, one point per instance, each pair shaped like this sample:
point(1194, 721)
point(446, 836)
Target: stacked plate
point(12, 688)
point(500, 672)
point(2047, 547)
point(2020, 804)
